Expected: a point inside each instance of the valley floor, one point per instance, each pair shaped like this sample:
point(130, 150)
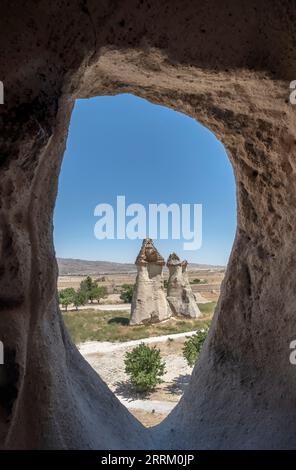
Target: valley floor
point(108, 361)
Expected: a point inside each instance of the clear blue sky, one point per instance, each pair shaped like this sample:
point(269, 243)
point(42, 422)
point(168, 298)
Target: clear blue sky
point(124, 145)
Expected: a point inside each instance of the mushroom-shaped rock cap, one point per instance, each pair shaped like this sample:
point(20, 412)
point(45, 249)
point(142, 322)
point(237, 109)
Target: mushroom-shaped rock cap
point(173, 260)
point(149, 254)
point(184, 265)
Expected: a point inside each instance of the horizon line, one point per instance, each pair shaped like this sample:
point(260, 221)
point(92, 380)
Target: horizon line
point(132, 262)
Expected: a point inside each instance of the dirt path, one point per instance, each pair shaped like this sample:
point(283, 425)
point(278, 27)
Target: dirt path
point(95, 347)
point(122, 307)
point(150, 406)
point(104, 307)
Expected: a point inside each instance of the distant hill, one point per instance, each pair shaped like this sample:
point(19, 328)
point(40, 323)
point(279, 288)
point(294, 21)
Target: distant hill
point(75, 267)
point(69, 266)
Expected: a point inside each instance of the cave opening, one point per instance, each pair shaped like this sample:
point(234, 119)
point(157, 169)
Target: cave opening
point(125, 156)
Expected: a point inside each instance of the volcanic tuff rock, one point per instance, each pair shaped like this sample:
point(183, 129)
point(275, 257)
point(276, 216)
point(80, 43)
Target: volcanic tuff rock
point(231, 71)
point(179, 293)
point(149, 302)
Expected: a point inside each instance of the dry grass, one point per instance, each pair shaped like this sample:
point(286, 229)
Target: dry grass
point(95, 325)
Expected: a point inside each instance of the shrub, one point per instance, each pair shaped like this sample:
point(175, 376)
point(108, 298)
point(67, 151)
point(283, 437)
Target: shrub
point(198, 281)
point(127, 293)
point(193, 346)
point(144, 367)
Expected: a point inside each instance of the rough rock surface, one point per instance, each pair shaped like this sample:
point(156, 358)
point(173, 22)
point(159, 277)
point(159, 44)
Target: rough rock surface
point(149, 302)
point(179, 293)
point(228, 66)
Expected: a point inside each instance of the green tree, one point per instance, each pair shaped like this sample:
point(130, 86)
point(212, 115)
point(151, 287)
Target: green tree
point(144, 367)
point(66, 297)
point(89, 287)
point(127, 293)
point(80, 298)
point(99, 292)
point(193, 346)
point(86, 284)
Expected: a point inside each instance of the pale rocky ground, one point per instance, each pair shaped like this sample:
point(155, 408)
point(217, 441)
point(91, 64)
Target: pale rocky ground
point(108, 362)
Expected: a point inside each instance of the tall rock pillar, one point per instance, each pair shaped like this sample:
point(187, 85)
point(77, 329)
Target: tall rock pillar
point(149, 302)
point(179, 293)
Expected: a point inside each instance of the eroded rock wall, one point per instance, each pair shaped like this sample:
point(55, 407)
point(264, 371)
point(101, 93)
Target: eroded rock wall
point(228, 66)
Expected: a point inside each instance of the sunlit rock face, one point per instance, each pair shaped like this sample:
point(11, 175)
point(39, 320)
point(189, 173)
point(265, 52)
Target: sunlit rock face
point(179, 293)
point(149, 302)
point(231, 71)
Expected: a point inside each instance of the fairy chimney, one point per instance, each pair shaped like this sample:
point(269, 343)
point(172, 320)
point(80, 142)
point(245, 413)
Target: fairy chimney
point(149, 302)
point(179, 293)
